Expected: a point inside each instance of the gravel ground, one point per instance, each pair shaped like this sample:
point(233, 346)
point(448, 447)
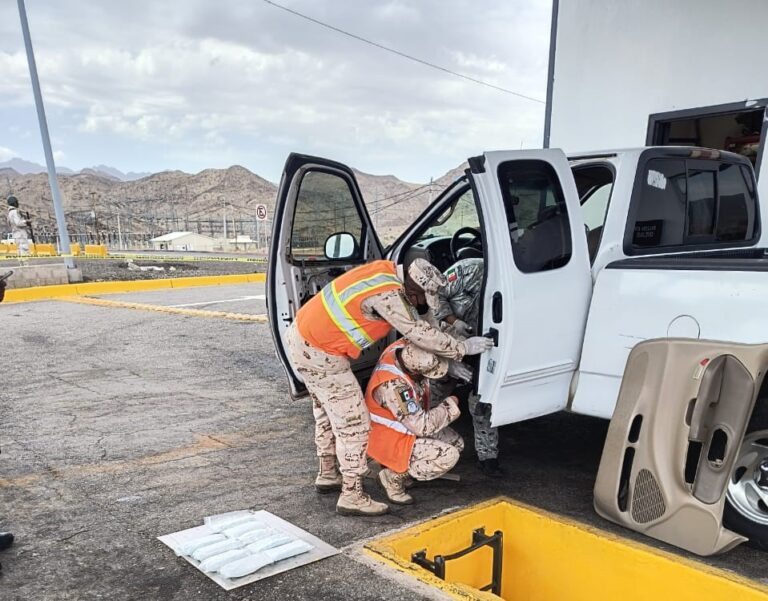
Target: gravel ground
point(107, 270)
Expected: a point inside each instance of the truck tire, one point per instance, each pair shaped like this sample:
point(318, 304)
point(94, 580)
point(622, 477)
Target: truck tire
point(746, 505)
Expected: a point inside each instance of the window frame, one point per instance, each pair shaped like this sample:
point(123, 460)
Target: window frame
point(710, 243)
point(557, 187)
point(364, 230)
point(409, 236)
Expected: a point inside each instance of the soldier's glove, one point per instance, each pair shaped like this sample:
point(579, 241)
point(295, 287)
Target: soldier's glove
point(461, 328)
point(460, 371)
point(476, 345)
point(452, 403)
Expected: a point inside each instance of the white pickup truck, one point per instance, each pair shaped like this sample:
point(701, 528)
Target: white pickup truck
point(585, 256)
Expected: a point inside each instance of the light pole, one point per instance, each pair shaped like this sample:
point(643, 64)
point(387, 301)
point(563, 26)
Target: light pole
point(51, 166)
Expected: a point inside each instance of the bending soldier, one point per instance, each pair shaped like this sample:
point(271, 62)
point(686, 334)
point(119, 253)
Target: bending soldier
point(349, 314)
point(410, 440)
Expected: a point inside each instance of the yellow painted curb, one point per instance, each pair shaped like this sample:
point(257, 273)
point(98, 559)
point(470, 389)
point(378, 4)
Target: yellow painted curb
point(22, 295)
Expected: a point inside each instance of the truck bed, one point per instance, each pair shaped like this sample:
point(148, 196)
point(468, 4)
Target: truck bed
point(705, 295)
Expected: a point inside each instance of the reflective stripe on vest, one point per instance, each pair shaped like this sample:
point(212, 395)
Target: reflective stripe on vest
point(390, 423)
point(335, 304)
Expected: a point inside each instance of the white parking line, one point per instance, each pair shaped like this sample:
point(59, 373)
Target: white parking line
point(215, 302)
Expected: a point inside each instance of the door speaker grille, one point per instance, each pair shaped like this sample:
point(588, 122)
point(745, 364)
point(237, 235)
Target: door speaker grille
point(647, 501)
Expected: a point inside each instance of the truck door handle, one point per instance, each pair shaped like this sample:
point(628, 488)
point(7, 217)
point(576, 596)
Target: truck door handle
point(496, 308)
point(493, 334)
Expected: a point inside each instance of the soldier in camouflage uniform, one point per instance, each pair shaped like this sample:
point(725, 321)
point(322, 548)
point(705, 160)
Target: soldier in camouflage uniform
point(459, 306)
point(408, 438)
point(341, 419)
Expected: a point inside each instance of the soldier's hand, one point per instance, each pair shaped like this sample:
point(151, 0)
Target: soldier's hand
point(452, 403)
point(477, 345)
point(459, 370)
point(461, 328)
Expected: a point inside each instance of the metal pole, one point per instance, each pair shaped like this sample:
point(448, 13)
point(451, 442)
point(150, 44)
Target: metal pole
point(53, 182)
point(551, 72)
point(119, 233)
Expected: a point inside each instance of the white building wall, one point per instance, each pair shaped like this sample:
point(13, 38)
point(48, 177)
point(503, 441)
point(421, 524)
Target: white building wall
point(618, 61)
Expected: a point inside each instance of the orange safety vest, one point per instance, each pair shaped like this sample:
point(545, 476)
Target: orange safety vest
point(390, 442)
point(333, 319)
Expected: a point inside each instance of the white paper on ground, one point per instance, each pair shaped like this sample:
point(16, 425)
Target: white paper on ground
point(320, 550)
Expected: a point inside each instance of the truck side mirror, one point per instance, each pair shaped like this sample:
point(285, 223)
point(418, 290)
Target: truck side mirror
point(340, 246)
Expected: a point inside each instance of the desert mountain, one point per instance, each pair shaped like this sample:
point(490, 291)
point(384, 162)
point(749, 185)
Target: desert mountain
point(95, 198)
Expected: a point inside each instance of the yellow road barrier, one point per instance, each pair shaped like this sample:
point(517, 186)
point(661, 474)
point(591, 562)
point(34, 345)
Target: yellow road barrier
point(100, 302)
point(42, 250)
point(96, 250)
point(20, 295)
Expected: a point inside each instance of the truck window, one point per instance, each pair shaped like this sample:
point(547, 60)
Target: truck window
point(537, 215)
point(325, 206)
point(689, 203)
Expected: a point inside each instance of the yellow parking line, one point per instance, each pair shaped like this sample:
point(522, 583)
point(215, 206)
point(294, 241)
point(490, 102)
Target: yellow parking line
point(100, 302)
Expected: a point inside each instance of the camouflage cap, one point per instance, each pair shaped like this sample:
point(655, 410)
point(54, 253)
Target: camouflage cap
point(417, 360)
point(428, 278)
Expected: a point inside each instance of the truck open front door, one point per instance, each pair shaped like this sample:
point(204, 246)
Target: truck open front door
point(321, 229)
point(538, 284)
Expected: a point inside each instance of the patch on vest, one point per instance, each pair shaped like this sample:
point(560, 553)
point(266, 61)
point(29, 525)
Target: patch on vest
point(408, 401)
point(451, 275)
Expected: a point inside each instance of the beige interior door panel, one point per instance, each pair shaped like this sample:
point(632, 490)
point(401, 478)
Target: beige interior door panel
point(671, 446)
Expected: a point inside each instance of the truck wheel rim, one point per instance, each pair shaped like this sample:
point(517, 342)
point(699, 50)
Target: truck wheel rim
point(744, 493)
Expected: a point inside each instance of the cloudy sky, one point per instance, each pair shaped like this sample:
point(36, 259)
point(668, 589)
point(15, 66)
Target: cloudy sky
point(189, 84)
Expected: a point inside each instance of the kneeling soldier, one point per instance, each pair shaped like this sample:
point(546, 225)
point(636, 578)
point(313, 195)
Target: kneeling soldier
point(407, 438)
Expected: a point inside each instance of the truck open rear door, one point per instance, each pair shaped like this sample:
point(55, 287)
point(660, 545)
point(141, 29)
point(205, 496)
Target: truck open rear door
point(537, 281)
point(321, 229)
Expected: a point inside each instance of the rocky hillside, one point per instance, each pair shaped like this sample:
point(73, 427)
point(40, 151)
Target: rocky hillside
point(174, 200)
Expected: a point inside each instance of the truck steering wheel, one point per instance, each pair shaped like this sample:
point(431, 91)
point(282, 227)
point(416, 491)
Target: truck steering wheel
point(457, 244)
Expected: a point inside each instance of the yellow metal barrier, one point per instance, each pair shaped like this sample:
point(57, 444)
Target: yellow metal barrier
point(96, 250)
point(551, 558)
point(8, 248)
point(74, 249)
point(42, 250)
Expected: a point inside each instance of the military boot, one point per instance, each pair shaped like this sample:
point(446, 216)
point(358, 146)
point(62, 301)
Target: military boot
point(328, 477)
point(354, 501)
point(394, 485)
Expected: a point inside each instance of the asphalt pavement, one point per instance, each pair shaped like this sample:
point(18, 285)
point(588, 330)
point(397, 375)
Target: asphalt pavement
point(119, 425)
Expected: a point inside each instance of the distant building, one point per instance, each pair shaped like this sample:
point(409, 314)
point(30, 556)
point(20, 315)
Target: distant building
point(185, 241)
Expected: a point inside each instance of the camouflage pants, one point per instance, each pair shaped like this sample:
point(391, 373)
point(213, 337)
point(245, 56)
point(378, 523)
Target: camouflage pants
point(342, 422)
point(435, 456)
point(486, 436)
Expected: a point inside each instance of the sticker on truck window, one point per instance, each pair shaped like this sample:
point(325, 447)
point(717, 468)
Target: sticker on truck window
point(657, 179)
point(648, 233)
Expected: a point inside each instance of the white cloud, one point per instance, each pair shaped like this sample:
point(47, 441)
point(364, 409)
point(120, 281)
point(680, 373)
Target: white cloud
point(243, 77)
point(6, 154)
